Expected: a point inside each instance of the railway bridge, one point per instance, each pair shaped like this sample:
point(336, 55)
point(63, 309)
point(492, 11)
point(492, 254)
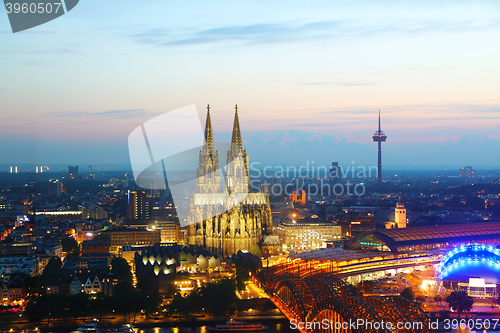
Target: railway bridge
point(327, 304)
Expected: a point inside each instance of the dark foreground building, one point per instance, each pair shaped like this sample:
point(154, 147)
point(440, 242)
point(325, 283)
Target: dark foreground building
point(156, 265)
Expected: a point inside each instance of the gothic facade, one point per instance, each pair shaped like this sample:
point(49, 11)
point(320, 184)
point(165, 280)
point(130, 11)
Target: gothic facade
point(225, 217)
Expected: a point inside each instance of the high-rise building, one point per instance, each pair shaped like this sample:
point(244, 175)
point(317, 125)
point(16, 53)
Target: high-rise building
point(73, 172)
point(163, 209)
point(94, 212)
point(91, 174)
point(138, 205)
point(379, 137)
point(467, 172)
point(229, 227)
point(55, 187)
point(335, 174)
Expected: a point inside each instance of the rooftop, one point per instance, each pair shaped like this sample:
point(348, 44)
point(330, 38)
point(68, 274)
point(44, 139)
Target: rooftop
point(440, 234)
point(441, 231)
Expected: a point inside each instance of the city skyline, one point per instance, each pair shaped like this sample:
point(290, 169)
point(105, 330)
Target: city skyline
point(218, 166)
point(323, 71)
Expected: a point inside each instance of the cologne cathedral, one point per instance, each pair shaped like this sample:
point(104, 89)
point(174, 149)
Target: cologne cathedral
point(225, 217)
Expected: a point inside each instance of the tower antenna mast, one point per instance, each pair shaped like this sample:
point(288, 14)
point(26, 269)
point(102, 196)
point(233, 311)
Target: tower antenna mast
point(379, 137)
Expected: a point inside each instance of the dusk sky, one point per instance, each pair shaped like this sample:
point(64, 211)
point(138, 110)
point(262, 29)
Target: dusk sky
point(308, 77)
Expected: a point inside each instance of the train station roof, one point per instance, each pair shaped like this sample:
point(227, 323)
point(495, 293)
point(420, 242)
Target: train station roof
point(337, 254)
point(413, 236)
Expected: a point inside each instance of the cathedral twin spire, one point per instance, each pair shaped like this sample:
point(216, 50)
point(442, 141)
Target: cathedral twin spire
point(236, 138)
point(209, 136)
point(209, 158)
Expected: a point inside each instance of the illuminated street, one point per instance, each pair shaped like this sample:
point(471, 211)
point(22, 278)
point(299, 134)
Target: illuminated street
point(252, 291)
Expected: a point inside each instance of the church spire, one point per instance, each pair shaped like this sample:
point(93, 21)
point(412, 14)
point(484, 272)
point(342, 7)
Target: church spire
point(237, 158)
point(236, 139)
point(208, 175)
point(209, 136)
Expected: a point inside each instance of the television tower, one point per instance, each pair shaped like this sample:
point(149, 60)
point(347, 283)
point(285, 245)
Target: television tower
point(379, 137)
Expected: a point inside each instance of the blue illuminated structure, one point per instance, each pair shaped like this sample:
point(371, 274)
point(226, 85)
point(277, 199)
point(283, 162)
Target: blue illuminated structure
point(472, 258)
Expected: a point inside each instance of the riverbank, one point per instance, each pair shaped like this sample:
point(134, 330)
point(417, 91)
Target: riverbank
point(69, 326)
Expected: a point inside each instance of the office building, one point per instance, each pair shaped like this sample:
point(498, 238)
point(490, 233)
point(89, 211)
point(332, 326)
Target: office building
point(467, 172)
point(85, 266)
point(127, 237)
point(73, 172)
point(91, 174)
point(55, 187)
point(94, 212)
point(169, 231)
point(90, 247)
point(138, 205)
point(335, 174)
point(307, 234)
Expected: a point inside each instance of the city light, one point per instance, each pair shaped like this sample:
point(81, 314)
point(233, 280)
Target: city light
point(426, 284)
point(468, 255)
point(126, 197)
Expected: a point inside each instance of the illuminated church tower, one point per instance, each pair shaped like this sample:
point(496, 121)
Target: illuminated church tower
point(208, 175)
point(237, 176)
point(225, 219)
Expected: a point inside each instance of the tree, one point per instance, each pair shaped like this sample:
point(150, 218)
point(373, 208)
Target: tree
point(219, 298)
point(53, 271)
point(408, 294)
point(476, 203)
point(32, 285)
point(124, 298)
point(367, 286)
point(256, 251)
point(420, 299)
point(101, 304)
point(74, 254)
point(242, 276)
point(459, 301)
point(179, 305)
point(122, 287)
point(69, 244)
point(121, 269)
point(172, 289)
point(438, 299)
point(82, 304)
point(151, 302)
point(36, 309)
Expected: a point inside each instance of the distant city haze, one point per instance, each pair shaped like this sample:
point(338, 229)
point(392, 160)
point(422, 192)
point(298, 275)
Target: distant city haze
point(308, 77)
